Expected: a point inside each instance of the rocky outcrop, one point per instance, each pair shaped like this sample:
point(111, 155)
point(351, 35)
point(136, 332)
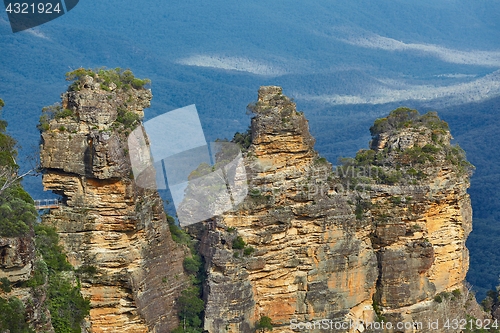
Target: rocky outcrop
point(17, 265)
point(114, 233)
point(381, 237)
point(16, 258)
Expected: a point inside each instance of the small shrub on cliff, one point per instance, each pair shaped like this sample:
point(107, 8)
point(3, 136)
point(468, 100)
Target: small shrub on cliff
point(55, 111)
point(127, 118)
point(243, 140)
point(87, 270)
point(264, 324)
point(5, 285)
point(248, 250)
point(178, 235)
point(39, 275)
point(361, 207)
point(238, 243)
point(456, 156)
point(192, 264)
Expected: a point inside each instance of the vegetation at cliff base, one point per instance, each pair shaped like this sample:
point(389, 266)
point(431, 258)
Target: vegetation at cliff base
point(67, 306)
point(190, 307)
point(12, 316)
point(190, 304)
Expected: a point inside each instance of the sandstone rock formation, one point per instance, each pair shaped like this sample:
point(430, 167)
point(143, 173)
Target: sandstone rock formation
point(114, 233)
point(380, 238)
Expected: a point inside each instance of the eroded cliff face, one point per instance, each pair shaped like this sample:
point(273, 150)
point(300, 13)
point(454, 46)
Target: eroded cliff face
point(378, 238)
point(115, 234)
point(17, 265)
point(381, 237)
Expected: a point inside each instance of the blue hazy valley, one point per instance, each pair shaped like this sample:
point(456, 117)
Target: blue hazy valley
point(345, 63)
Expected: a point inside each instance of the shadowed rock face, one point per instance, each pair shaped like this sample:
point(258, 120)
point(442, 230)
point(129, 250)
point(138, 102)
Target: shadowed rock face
point(106, 221)
point(318, 248)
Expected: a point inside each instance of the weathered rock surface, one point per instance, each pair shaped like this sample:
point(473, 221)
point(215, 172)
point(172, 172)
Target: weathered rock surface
point(113, 231)
point(319, 247)
point(16, 258)
point(380, 238)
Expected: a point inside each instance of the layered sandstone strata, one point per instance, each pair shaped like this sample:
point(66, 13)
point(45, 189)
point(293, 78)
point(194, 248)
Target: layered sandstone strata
point(115, 234)
point(321, 244)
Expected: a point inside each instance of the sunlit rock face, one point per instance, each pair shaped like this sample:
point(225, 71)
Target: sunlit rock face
point(351, 244)
point(380, 238)
point(107, 224)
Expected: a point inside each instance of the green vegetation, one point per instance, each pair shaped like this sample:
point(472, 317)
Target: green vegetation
point(279, 100)
point(53, 274)
point(479, 326)
point(492, 300)
point(47, 243)
point(238, 243)
point(438, 298)
point(248, 250)
point(55, 111)
point(190, 303)
point(419, 155)
point(378, 311)
point(17, 210)
point(320, 161)
point(445, 295)
point(86, 270)
point(264, 324)
point(122, 79)
point(178, 235)
point(13, 316)
point(190, 307)
point(192, 264)
point(243, 140)
point(255, 192)
point(392, 165)
point(456, 156)
point(66, 305)
point(5, 285)
point(39, 276)
point(127, 118)
point(405, 118)
point(395, 200)
point(361, 207)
